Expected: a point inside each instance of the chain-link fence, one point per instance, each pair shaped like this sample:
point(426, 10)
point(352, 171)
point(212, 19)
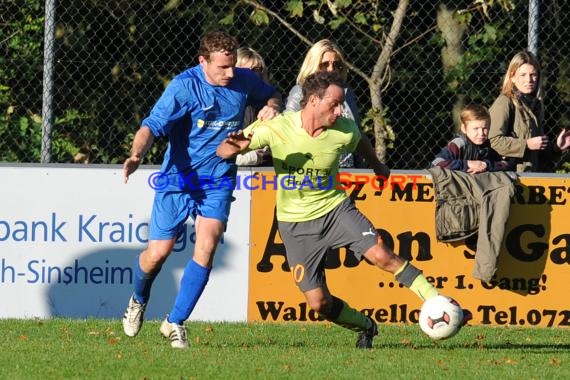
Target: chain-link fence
point(107, 62)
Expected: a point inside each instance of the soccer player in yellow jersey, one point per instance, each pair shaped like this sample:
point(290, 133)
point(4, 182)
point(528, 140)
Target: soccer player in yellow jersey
point(313, 213)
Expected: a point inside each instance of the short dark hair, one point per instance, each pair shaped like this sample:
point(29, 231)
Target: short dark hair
point(317, 84)
point(217, 41)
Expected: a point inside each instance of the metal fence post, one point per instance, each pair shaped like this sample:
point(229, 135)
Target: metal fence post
point(47, 90)
point(533, 26)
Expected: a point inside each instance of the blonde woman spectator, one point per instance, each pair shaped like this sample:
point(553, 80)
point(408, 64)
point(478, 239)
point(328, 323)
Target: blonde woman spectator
point(325, 55)
point(517, 129)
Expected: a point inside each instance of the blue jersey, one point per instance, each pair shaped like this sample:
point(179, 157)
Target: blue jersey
point(196, 116)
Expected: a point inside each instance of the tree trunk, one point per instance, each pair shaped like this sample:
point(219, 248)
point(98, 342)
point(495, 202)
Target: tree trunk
point(380, 135)
point(376, 80)
point(451, 53)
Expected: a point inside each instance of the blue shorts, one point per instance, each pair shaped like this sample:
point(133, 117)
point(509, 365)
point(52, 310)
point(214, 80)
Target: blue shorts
point(171, 209)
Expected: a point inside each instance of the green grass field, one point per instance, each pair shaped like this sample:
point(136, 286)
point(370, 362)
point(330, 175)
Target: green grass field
point(97, 349)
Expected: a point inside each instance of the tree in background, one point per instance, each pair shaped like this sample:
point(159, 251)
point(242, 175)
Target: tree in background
point(373, 30)
point(21, 33)
point(113, 59)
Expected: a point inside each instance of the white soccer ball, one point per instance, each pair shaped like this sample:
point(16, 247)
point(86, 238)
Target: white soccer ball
point(441, 317)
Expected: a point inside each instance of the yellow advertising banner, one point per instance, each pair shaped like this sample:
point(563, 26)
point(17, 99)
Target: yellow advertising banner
point(530, 287)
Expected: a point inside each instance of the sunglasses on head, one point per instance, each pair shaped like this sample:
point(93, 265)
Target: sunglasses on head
point(257, 69)
point(337, 65)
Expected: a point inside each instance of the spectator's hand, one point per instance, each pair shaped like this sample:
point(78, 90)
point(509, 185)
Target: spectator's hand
point(382, 171)
point(503, 165)
point(267, 113)
point(563, 140)
point(475, 166)
point(537, 143)
point(131, 164)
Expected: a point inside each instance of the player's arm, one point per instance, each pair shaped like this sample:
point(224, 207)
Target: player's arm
point(235, 143)
point(271, 108)
point(365, 149)
point(141, 144)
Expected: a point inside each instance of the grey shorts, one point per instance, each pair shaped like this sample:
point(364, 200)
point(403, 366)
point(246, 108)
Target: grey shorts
point(307, 243)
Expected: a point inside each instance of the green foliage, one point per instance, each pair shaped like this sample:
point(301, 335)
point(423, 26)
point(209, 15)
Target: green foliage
point(564, 168)
point(20, 42)
point(98, 101)
point(114, 58)
point(294, 8)
point(336, 13)
point(69, 135)
point(360, 18)
point(508, 5)
point(336, 22)
point(481, 49)
point(228, 19)
point(319, 19)
point(21, 119)
point(563, 87)
point(342, 3)
point(259, 17)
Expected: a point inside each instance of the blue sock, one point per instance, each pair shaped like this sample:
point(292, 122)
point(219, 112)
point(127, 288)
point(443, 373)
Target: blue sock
point(142, 283)
point(192, 285)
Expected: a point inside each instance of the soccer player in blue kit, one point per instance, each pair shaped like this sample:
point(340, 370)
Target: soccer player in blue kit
point(196, 111)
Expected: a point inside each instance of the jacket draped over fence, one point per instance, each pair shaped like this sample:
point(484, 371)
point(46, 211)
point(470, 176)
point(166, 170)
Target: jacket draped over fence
point(468, 204)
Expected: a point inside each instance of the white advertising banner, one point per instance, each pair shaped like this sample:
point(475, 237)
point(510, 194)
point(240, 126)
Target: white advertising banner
point(70, 235)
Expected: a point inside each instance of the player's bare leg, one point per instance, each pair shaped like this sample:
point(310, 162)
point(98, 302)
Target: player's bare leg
point(194, 280)
point(148, 266)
